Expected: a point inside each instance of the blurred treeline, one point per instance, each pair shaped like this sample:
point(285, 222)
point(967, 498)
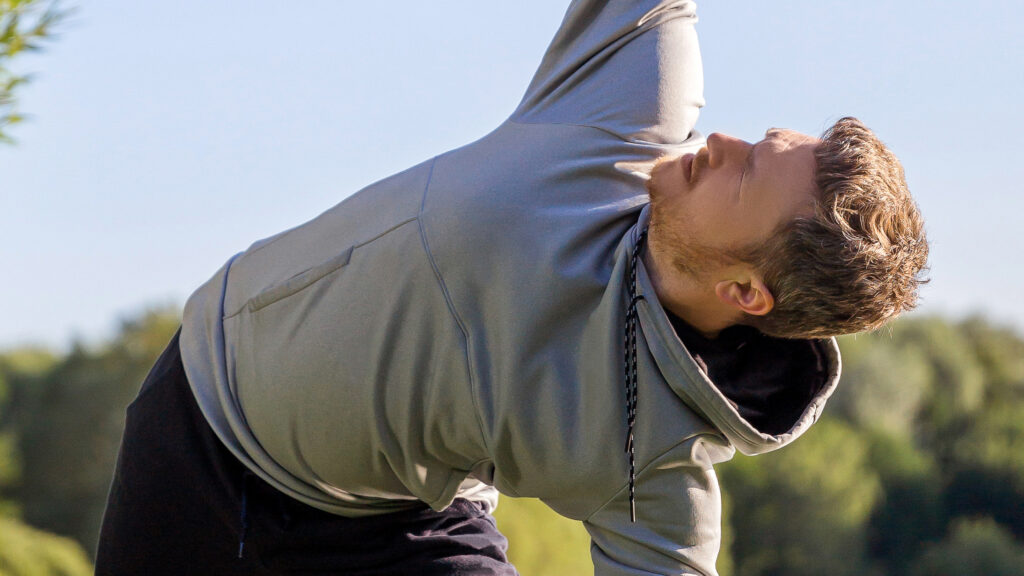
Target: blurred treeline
point(917, 468)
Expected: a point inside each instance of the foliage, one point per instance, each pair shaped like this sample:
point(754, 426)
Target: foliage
point(1001, 354)
point(25, 551)
point(802, 510)
point(920, 377)
point(10, 471)
point(910, 513)
point(69, 419)
point(996, 441)
point(24, 24)
point(882, 385)
point(541, 542)
point(10, 465)
point(975, 548)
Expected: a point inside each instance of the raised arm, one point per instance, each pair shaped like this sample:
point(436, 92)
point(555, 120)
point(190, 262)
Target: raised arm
point(630, 67)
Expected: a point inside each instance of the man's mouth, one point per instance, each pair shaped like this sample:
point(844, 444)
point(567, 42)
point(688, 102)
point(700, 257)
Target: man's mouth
point(698, 162)
point(688, 161)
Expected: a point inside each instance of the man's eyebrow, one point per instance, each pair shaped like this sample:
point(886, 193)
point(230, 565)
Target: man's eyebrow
point(751, 163)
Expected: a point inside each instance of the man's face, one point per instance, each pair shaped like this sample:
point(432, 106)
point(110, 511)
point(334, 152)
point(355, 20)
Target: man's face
point(729, 197)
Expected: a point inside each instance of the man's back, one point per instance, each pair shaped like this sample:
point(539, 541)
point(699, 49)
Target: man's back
point(474, 278)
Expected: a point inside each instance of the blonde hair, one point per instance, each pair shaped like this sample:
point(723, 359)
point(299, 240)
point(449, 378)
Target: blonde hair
point(858, 262)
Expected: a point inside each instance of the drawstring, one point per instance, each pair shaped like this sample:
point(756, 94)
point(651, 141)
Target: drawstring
point(282, 504)
point(630, 368)
point(245, 512)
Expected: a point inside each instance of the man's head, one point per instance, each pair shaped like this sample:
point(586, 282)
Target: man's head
point(798, 236)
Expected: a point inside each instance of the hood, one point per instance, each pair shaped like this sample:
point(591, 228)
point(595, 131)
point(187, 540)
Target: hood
point(689, 380)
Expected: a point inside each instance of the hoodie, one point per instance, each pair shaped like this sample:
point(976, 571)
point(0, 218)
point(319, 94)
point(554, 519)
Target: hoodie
point(459, 329)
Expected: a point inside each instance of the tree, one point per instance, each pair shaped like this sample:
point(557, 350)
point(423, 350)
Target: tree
point(910, 514)
point(1000, 352)
point(921, 377)
point(24, 25)
point(884, 384)
point(69, 420)
point(802, 511)
point(24, 550)
point(988, 468)
point(974, 548)
point(540, 541)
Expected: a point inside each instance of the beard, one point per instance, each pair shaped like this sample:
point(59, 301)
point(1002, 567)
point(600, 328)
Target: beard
point(669, 233)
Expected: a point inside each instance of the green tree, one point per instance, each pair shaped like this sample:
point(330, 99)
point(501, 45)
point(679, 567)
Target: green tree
point(10, 469)
point(26, 551)
point(958, 381)
point(920, 377)
point(24, 25)
point(974, 548)
point(802, 511)
point(1000, 351)
point(988, 468)
point(884, 385)
point(541, 542)
point(910, 513)
point(69, 419)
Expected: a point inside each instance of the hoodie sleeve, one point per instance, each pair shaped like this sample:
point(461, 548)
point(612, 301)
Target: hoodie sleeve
point(679, 516)
point(629, 67)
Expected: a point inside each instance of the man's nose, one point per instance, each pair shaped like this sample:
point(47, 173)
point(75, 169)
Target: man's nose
point(723, 148)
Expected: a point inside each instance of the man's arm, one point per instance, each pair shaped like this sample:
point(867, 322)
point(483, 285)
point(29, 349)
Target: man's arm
point(630, 67)
point(679, 518)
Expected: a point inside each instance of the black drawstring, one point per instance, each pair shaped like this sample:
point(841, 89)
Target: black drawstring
point(245, 512)
point(630, 368)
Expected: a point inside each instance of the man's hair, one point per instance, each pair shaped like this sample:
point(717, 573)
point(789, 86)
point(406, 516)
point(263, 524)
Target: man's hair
point(857, 263)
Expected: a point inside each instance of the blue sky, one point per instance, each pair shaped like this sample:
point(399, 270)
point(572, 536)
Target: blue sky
point(166, 136)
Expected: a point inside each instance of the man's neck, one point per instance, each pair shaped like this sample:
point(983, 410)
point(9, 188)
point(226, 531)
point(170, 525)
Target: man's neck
point(687, 297)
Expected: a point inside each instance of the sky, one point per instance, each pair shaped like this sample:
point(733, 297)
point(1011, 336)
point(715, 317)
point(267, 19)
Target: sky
point(166, 136)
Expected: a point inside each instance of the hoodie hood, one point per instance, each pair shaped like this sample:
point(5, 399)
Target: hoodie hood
point(691, 383)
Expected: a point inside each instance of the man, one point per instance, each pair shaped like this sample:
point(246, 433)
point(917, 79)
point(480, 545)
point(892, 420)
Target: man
point(349, 396)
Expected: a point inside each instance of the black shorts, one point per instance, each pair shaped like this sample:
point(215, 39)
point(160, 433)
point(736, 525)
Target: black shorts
point(181, 503)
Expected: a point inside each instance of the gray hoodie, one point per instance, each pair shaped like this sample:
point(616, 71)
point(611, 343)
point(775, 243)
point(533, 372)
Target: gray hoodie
point(457, 328)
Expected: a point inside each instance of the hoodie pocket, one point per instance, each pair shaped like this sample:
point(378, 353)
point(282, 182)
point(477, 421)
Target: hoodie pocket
point(297, 283)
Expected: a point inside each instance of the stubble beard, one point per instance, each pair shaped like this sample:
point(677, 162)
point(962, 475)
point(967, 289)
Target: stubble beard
point(667, 234)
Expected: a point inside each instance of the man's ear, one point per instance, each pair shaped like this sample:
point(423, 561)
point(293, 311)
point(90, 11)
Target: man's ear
point(751, 297)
